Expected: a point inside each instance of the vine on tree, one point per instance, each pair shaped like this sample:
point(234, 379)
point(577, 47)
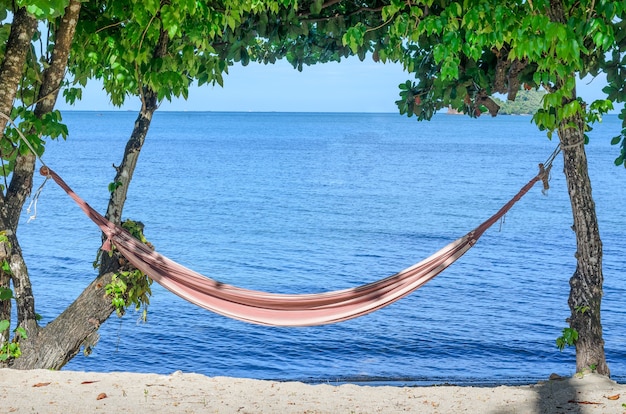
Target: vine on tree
point(129, 287)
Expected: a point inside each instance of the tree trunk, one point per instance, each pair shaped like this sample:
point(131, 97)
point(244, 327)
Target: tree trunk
point(125, 171)
point(586, 283)
point(55, 73)
point(22, 179)
point(17, 48)
point(59, 341)
point(19, 189)
point(131, 154)
point(77, 326)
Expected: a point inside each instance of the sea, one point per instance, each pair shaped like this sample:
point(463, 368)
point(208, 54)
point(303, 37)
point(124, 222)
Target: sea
point(312, 202)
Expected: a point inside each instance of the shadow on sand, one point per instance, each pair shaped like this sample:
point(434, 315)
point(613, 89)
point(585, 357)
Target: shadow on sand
point(589, 394)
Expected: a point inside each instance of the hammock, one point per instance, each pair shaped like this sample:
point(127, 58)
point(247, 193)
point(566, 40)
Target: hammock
point(282, 309)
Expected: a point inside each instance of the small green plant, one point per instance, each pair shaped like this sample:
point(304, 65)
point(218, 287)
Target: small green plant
point(581, 309)
point(570, 335)
point(588, 370)
point(568, 338)
point(130, 286)
point(114, 186)
point(11, 349)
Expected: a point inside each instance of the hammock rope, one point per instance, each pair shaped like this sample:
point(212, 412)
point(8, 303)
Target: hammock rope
point(274, 309)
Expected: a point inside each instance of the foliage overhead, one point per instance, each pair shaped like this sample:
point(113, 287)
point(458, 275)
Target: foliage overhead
point(461, 52)
point(43, 9)
point(39, 58)
point(117, 39)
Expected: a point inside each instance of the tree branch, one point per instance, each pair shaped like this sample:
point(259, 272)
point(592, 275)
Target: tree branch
point(483, 99)
point(517, 66)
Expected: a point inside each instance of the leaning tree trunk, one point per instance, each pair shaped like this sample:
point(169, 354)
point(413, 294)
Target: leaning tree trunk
point(77, 326)
point(586, 283)
point(125, 171)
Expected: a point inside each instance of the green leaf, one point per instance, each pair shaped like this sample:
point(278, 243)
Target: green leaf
point(353, 38)
point(6, 293)
point(170, 17)
point(4, 325)
point(20, 331)
point(316, 7)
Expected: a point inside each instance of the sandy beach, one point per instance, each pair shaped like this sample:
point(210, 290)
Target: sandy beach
point(42, 391)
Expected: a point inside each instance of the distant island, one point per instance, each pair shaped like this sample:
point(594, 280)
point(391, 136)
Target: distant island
point(526, 103)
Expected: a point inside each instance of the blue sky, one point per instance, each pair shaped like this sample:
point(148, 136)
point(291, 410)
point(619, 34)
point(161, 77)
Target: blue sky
point(349, 86)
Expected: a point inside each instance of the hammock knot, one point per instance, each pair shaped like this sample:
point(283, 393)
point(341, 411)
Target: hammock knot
point(106, 246)
point(544, 175)
point(45, 171)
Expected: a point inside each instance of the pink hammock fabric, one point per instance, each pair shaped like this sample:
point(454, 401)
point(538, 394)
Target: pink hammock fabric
point(281, 309)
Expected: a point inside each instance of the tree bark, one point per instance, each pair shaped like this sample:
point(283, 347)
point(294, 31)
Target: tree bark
point(77, 326)
point(17, 48)
point(22, 178)
point(586, 283)
point(16, 51)
point(55, 73)
point(585, 296)
point(125, 171)
point(59, 341)
point(19, 189)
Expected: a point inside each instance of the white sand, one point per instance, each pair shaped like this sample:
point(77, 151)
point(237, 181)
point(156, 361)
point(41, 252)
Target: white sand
point(66, 392)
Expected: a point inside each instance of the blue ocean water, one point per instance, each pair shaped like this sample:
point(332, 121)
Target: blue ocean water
point(308, 202)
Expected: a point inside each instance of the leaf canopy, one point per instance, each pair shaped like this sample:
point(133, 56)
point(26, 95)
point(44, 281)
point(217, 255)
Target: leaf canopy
point(461, 52)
